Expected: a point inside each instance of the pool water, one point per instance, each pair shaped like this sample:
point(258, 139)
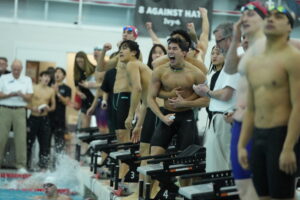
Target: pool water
point(15, 194)
point(65, 176)
point(6, 194)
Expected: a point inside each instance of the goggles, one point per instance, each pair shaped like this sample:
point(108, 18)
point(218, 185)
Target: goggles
point(47, 185)
point(283, 10)
point(131, 29)
point(257, 7)
point(247, 7)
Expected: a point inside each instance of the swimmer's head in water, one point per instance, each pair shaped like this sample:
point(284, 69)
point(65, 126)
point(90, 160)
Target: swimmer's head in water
point(130, 33)
point(177, 50)
point(284, 11)
point(257, 7)
point(50, 189)
point(128, 49)
point(183, 35)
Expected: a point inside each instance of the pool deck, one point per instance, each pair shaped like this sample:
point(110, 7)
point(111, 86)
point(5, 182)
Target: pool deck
point(100, 187)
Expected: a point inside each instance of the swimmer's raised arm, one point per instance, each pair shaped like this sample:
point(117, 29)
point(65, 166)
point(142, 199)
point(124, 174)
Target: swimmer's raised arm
point(232, 59)
point(152, 34)
point(202, 44)
point(102, 65)
point(192, 32)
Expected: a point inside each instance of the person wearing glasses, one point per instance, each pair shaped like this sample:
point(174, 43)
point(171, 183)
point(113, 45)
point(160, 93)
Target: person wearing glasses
point(272, 113)
point(222, 101)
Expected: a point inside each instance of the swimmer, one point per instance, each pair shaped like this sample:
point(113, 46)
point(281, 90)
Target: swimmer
point(272, 112)
point(51, 193)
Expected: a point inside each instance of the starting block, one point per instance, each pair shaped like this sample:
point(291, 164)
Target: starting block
point(212, 186)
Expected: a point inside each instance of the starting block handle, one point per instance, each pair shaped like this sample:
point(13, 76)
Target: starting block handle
point(176, 159)
point(167, 155)
point(88, 129)
point(225, 173)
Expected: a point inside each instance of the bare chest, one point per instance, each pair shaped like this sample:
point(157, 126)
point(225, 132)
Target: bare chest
point(42, 95)
point(121, 75)
point(174, 80)
point(268, 73)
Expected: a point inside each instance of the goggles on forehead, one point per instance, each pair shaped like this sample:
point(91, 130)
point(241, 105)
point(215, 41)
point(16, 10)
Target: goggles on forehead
point(261, 11)
point(247, 7)
point(284, 11)
point(280, 9)
point(127, 28)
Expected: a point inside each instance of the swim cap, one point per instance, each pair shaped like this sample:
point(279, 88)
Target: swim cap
point(257, 7)
point(133, 29)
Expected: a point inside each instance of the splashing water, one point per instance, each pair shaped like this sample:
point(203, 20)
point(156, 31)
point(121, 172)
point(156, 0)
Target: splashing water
point(66, 175)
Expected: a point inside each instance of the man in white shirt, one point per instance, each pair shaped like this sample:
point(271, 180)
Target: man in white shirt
point(15, 92)
point(222, 101)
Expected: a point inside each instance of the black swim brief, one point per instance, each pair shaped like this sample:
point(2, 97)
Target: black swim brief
point(184, 126)
point(121, 105)
point(268, 179)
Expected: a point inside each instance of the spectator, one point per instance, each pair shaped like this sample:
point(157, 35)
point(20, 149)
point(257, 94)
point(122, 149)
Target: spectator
point(58, 116)
point(15, 92)
point(101, 114)
point(83, 74)
point(3, 66)
point(222, 101)
point(217, 62)
point(51, 70)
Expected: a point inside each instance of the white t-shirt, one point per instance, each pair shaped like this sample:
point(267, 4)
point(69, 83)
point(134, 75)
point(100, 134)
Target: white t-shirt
point(225, 80)
point(9, 84)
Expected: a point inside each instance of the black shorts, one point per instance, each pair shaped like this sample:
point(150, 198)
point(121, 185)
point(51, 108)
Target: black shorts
point(184, 126)
point(121, 105)
point(150, 123)
point(85, 105)
point(268, 179)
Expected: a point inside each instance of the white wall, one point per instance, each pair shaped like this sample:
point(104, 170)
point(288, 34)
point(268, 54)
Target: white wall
point(51, 43)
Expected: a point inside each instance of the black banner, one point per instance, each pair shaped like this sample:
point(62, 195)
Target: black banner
point(169, 15)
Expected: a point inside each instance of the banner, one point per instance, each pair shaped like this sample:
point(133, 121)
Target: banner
point(169, 15)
